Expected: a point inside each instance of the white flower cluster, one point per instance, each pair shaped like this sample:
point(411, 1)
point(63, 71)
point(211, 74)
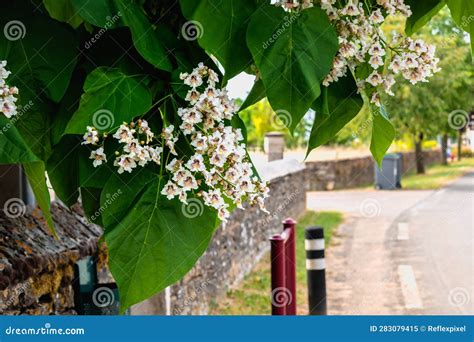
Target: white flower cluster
point(219, 170)
point(7, 93)
point(362, 42)
point(137, 149)
point(220, 166)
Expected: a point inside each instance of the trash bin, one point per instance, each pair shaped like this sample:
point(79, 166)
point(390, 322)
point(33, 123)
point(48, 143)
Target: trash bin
point(389, 177)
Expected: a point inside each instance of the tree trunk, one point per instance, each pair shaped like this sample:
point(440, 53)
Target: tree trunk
point(459, 144)
point(420, 163)
point(444, 149)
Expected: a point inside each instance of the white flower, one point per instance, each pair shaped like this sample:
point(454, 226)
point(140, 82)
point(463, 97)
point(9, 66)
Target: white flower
point(124, 134)
point(7, 93)
point(377, 50)
point(98, 156)
point(193, 80)
point(376, 17)
point(376, 99)
point(174, 165)
point(192, 96)
point(375, 79)
point(351, 8)
point(91, 137)
point(125, 163)
point(170, 190)
point(376, 62)
point(196, 163)
point(155, 154)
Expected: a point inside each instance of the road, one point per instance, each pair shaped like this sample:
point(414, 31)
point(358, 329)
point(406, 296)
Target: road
point(401, 252)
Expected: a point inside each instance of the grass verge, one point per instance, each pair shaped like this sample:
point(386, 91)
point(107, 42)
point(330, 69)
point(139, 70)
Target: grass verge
point(252, 297)
point(437, 175)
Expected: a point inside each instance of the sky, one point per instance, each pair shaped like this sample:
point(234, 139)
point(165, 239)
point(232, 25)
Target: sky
point(240, 85)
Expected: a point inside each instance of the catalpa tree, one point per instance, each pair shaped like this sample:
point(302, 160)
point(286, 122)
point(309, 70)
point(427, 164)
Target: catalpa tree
point(123, 105)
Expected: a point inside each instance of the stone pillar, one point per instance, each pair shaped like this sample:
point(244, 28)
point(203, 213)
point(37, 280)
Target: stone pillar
point(274, 145)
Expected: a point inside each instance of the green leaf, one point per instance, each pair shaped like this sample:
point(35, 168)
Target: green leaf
point(115, 13)
point(120, 193)
point(157, 243)
point(13, 148)
point(144, 36)
point(462, 12)
point(42, 54)
point(110, 98)
point(383, 134)
point(63, 169)
point(221, 27)
point(33, 121)
point(337, 106)
point(423, 11)
point(256, 94)
point(100, 13)
point(90, 200)
point(63, 10)
point(36, 174)
point(293, 52)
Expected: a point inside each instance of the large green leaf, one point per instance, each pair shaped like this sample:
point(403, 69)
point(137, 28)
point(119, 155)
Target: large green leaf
point(293, 52)
point(110, 98)
point(463, 14)
point(13, 148)
point(115, 13)
point(337, 106)
point(383, 133)
point(157, 243)
point(221, 27)
point(36, 174)
point(120, 193)
point(40, 53)
point(63, 10)
point(423, 11)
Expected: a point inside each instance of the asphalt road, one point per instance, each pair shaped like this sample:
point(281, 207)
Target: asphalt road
point(402, 252)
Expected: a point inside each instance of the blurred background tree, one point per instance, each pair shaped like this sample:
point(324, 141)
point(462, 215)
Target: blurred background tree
point(423, 111)
point(261, 119)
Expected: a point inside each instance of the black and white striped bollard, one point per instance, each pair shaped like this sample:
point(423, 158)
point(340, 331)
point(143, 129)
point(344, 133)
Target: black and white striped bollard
point(316, 270)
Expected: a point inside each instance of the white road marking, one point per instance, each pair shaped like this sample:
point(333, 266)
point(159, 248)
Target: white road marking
point(403, 232)
point(409, 287)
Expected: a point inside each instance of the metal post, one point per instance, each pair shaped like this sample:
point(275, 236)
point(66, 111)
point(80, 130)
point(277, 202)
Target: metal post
point(316, 270)
point(278, 275)
point(290, 265)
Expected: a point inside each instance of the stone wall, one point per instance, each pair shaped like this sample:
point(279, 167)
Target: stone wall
point(36, 270)
point(356, 172)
